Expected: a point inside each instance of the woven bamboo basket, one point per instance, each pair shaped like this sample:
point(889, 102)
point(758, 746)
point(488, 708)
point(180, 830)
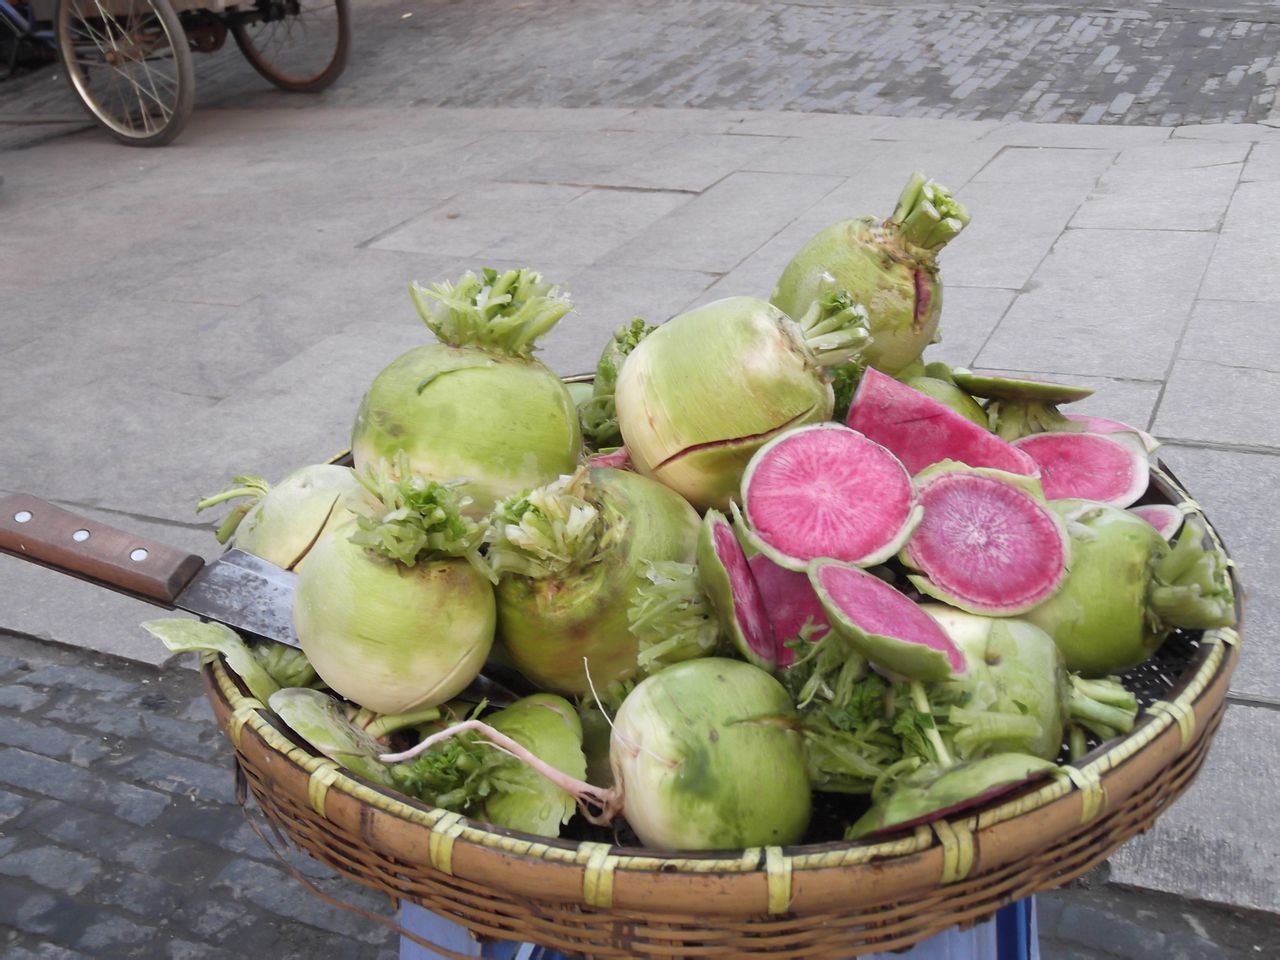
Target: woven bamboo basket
point(820, 900)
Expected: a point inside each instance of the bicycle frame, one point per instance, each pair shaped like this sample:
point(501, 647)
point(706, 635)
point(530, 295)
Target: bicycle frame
point(23, 29)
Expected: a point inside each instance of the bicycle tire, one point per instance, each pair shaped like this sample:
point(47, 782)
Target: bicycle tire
point(105, 55)
point(295, 62)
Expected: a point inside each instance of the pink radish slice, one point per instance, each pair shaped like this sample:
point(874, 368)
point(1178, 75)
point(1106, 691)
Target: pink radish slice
point(1165, 517)
point(1110, 469)
point(827, 491)
point(921, 431)
point(985, 545)
point(726, 577)
point(883, 625)
point(1103, 425)
point(790, 602)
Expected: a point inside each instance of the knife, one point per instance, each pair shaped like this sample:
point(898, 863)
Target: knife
point(245, 592)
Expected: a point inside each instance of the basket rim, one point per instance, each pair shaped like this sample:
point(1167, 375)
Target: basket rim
point(1218, 655)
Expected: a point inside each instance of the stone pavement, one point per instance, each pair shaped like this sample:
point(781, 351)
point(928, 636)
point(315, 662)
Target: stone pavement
point(170, 318)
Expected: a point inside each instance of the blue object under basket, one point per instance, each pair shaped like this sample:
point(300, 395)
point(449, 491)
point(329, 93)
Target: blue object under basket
point(1010, 935)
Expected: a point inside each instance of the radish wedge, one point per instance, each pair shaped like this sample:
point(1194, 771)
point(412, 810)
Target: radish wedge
point(1165, 517)
point(934, 795)
point(1111, 469)
point(1103, 425)
point(790, 602)
point(1012, 388)
point(921, 431)
point(726, 577)
point(883, 625)
point(988, 544)
point(827, 491)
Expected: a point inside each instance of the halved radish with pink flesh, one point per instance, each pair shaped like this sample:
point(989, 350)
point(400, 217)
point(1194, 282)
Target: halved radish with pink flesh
point(883, 625)
point(933, 794)
point(827, 491)
point(726, 577)
point(987, 543)
point(1111, 469)
point(1103, 425)
point(790, 602)
point(1165, 517)
point(921, 431)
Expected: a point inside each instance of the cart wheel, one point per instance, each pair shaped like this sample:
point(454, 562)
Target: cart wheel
point(129, 63)
point(299, 45)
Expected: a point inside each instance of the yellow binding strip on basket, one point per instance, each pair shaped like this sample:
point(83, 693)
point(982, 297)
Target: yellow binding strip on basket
point(597, 878)
point(777, 867)
point(1093, 795)
point(1228, 635)
point(440, 841)
point(958, 849)
point(246, 708)
point(1180, 712)
point(322, 778)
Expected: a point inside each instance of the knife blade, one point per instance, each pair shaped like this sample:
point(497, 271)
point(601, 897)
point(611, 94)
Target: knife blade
point(238, 589)
point(245, 592)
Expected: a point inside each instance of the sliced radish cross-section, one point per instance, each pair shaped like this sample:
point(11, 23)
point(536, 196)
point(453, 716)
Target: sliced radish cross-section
point(827, 491)
point(986, 545)
point(1111, 469)
point(883, 625)
point(1165, 517)
point(921, 431)
point(790, 603)
point(726, 577)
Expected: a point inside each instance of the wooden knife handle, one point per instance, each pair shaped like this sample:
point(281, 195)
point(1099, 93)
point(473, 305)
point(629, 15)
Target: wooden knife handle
point(38, 531)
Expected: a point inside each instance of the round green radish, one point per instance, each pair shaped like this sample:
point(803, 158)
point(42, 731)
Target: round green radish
point(280, 523)
point(920, 430)
point(1128, 589)
point(698, 396)
point(882, 624)
point(708, 756)
point(1018, 407)
point(476, 406)
point(726, 577)
point(1111, 468)
point(396, 610)
point(949, 395)
point(1165, 517)
point(1015, 685)
point(888, 265)
point(933, 794)
point(827, 491)
point(790, 603)
point(988, 543)
point(570, 558)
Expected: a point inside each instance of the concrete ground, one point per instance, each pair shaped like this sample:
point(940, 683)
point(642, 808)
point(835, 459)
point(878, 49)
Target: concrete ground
point(170, 318)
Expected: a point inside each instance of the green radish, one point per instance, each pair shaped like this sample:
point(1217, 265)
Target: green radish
point(698, 396)
point(889, 266)
point(1017, 408)
point(476, 407)
point(598, 412)
point(280, 523)
point(396, 611)
point(571, 558)
point(1128, 589)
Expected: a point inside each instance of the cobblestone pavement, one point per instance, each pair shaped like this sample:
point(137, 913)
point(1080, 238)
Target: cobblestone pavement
point(120, 838)
point(1147, 62)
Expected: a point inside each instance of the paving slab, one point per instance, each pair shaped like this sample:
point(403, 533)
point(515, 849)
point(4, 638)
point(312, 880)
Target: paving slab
point(1047, 165)
point(1107, 303)
point(1014, 226)
point(969, 314)
point(1160, 199)
point(718, 229)
point(1216, 824)
point(1263, 162)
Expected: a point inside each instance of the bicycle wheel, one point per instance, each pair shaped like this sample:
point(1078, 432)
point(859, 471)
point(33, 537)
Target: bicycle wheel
point(129, 63)
point(299, 45)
